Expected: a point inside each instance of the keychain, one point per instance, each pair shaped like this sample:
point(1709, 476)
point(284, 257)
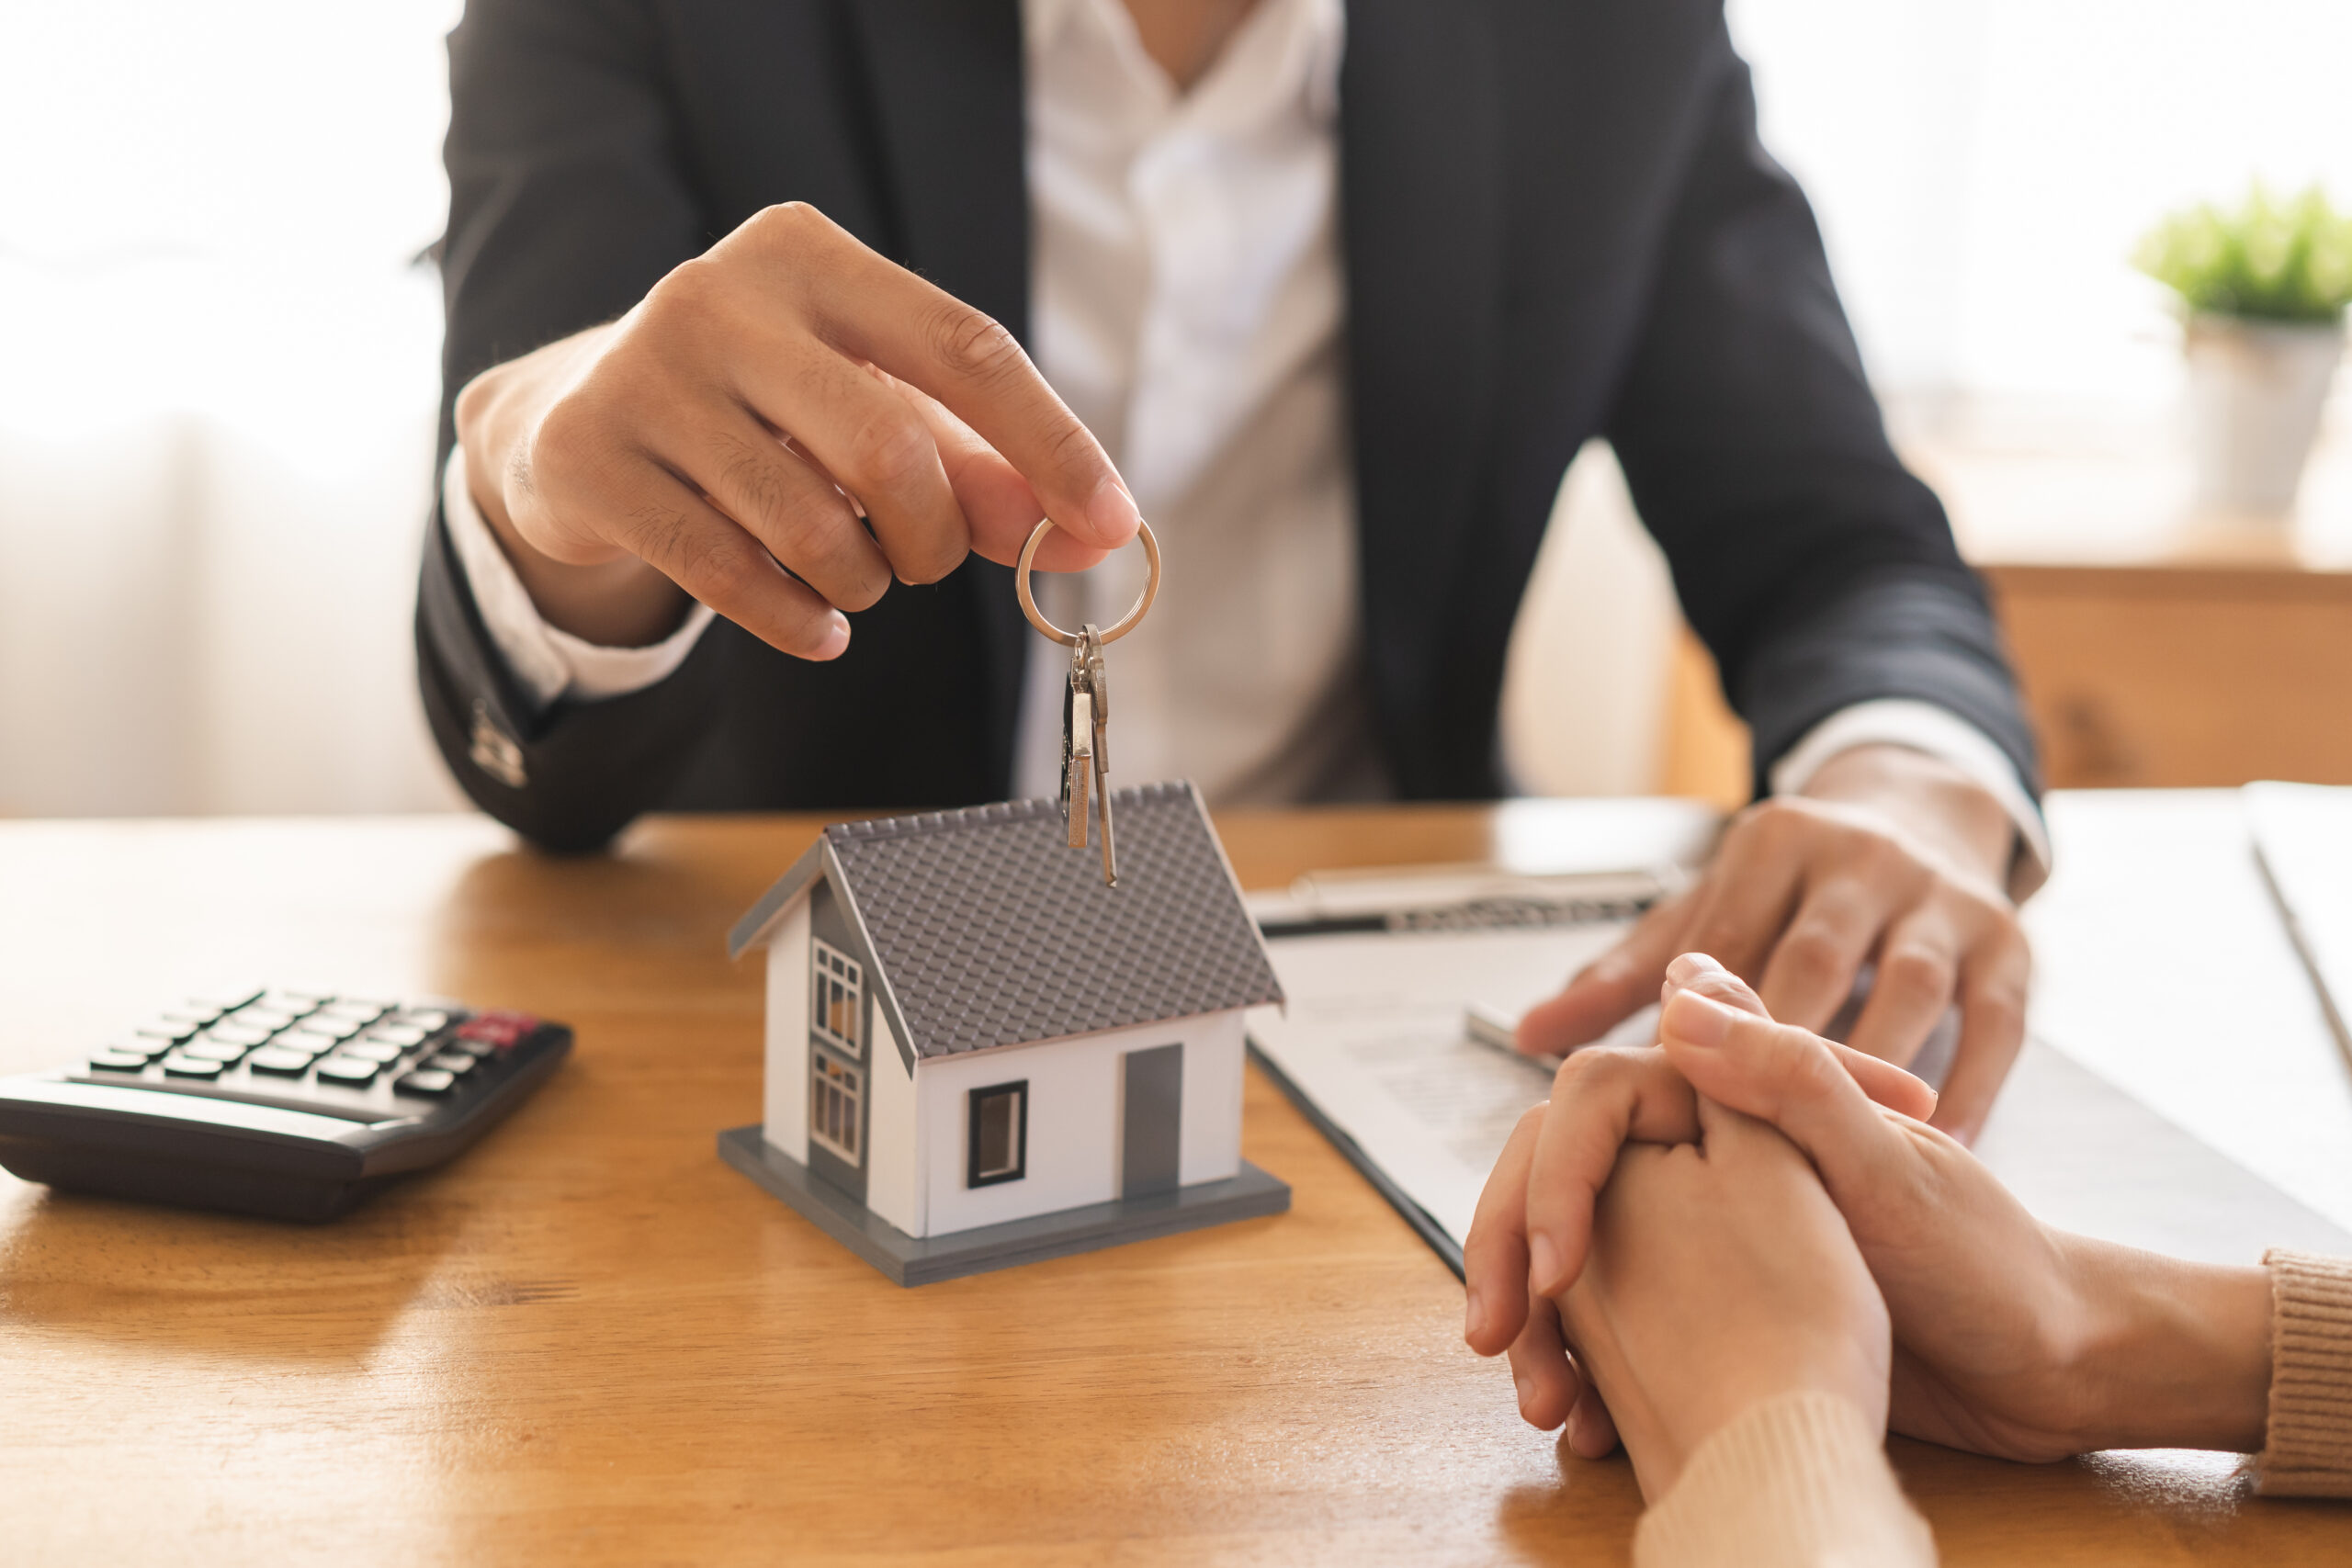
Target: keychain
point(1086, 698)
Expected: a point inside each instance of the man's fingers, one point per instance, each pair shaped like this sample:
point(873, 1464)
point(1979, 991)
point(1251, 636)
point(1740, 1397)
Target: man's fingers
point(870, 440)
point(1757, 878)
point(688, 540)
point(1608, 990)
point(1785, 1076)
point(1547, 1382)
point(1494, 1255)
point(876, 310)
point(1993, 983)
point(1002, 507)
point(1811, 971)
point(1918, 966)
point(1602, 1098)
point(793, 508)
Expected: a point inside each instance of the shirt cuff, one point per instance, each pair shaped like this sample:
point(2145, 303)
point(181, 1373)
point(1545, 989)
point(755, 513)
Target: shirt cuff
point(1924, 727)
point(547, 661)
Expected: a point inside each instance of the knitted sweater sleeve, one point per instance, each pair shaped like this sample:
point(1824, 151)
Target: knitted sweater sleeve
point(2307, 1451)
point(1800, 1481)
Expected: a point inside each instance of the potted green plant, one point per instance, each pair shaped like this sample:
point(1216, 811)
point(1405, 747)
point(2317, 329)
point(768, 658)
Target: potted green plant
point(2263, 289)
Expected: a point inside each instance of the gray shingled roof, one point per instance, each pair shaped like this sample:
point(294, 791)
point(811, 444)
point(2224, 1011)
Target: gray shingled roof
point(990, 930)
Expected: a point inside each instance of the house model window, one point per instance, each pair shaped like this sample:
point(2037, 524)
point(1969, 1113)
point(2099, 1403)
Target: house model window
point(834, 986)
point(836, 1088)
point(999, 1134)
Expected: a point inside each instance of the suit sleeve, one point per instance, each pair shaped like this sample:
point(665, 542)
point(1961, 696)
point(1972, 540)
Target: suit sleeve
point(568, 201)
point(1817, 570)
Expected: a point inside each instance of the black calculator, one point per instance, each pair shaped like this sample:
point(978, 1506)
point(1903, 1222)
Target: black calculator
point(290, 1105)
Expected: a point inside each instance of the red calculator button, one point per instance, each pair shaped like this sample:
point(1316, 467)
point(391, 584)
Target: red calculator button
point(499, 1029)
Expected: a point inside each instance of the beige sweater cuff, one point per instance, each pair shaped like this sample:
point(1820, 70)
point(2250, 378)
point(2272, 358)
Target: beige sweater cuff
point(1797, 1481)
point(2307, 1450)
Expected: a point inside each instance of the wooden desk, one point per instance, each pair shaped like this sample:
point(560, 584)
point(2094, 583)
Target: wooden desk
point(589, 1342)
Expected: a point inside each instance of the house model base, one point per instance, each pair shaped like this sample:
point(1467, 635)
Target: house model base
point(918, 1260)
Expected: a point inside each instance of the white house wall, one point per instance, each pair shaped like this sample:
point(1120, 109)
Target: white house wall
point(1210, 1148)
point(1074, 1119)
point(894, 1156)
point(785, 1105)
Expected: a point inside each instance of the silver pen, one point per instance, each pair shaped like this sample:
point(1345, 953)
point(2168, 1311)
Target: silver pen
point(1498, 1030)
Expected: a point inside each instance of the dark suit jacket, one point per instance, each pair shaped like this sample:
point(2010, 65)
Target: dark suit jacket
point(1556, 223)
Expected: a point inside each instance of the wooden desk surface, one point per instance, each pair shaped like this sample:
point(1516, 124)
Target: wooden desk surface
point(589, 1341)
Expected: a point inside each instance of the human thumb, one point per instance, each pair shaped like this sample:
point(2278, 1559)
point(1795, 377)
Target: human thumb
point(1786, 1077)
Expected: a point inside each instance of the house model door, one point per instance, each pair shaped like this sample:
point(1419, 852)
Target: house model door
point(1152, 1121)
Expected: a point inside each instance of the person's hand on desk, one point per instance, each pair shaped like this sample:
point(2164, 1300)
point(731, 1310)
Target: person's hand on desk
point(1719, 1276)
point(2010, 1337)
point(1891, 857)
point(709, 443)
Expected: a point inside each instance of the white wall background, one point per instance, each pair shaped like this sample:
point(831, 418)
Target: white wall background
point(217, 366)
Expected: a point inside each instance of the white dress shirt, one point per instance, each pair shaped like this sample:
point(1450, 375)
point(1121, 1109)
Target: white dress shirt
point(1188, 301)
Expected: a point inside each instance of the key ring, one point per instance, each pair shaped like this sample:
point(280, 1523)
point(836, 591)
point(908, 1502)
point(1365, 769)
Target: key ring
point(1125, 624)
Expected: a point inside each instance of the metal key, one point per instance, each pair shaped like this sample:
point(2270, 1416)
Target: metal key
point(1077, 750)
point(1086, 700)
point(1088, 662)
point(1086, 751)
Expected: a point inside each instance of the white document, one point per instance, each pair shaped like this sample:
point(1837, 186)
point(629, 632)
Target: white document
point(2303, 835)
point(2162, 964)
point(1374, 1042)
point(1372, 1038)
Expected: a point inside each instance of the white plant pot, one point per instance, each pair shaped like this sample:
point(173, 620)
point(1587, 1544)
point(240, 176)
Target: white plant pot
point(2256, 390)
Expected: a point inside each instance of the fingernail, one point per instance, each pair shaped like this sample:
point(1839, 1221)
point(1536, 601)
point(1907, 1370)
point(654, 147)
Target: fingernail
point(1111, 512)
point(836, 635)
point(1542, 1262)
point(1474, 1318)
point(1691, 968)
point(1699, 1020)
point(1526, 1396)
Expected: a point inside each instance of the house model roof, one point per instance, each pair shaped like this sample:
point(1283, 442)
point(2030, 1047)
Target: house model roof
point(989, 929)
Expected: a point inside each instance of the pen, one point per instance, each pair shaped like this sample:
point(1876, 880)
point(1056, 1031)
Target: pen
point(1498, 1030)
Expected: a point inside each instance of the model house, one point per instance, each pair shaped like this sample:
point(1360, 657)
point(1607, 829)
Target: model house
point(978, 1055)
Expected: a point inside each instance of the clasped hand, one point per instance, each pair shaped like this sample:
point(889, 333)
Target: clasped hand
point(1806, 1230)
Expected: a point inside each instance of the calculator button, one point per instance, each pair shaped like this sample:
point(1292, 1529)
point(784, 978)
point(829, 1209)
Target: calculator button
point(118, 1061)
point(269, 1021)
point(431, 1020)
point(296, 1002)
point(408, 1037)
point(499, 1028)
point(191, 1067)
point(313, 1041)
point(280, 1060)
point(352, 1070)
point(379, 1051)
point(371, 1007)
point(237, 1034)
point(213, 1004)
point(210, 1050)
point(430, 1081)
point(174, 1027)
point(455, 1063)
point(341, 1022)
point(145, 1047)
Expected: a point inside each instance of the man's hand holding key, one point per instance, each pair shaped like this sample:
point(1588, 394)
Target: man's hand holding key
point(779, 428)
